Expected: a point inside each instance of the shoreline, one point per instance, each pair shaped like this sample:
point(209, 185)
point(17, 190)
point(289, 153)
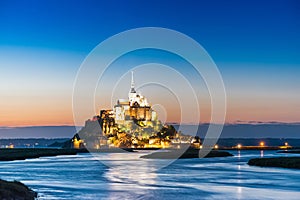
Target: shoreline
point(7, 154)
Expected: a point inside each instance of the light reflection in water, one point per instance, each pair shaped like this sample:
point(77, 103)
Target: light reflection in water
point(122, 178)
point(261, 153)
point(133, 176)
point(239, 192)
point(239, 154)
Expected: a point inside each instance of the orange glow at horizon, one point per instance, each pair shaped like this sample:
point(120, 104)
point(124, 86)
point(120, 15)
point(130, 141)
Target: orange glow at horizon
point(52, 115)
point(57, 110)
point(33, 111)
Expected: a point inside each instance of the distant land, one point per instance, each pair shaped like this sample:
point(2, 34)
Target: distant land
point(30, 142)
point(252, 130)
point(37, 132)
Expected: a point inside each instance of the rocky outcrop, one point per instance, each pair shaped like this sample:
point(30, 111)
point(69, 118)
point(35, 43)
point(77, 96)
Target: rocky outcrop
point(16, 190)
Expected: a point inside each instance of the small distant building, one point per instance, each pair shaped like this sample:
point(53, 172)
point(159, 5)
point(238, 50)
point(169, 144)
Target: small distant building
point(196, 142)
point(10, 146)
point(77, 143)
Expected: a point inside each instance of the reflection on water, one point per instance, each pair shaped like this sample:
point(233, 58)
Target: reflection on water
point(261, 153)
point(129, 177)
point(238, 153)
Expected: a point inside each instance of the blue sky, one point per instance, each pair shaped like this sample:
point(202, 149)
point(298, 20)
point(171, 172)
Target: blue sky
point(232, 31)
point(255, 44)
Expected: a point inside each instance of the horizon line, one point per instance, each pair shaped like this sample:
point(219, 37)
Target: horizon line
point(171, 123)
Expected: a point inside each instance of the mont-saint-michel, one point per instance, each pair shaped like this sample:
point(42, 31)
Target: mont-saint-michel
point(209, 77)
point(131, 123)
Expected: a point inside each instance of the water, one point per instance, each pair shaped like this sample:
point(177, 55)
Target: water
point(128, 177)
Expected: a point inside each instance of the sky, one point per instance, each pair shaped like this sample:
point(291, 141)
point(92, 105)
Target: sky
point(255, 45)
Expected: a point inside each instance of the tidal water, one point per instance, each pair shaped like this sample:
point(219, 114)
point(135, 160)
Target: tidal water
point(126, 176)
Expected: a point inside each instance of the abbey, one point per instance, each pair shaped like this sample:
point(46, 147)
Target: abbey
point(132, 116)
point(135, 108)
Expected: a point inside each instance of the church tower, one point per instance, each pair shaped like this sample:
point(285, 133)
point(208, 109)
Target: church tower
point(132, 95)
point(132, 90)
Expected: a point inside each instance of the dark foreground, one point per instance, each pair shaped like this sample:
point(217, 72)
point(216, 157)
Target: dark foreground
point(285, 162)
point(15, 190)
point(189, 153)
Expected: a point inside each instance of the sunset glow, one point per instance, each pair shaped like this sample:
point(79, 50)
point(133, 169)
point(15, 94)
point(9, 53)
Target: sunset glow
point(260, 71)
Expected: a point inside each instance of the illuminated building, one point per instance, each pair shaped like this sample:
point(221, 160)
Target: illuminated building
point(77, 142)
point(133, 115)
point(10, 146)
point(135, 108)
point(131, 123)
point(196, 142)
point(107, 121)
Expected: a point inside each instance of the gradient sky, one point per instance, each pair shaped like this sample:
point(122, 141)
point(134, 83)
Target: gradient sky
point(255, 44)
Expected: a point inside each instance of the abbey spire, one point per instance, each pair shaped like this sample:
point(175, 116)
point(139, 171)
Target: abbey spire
point(132, 90)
